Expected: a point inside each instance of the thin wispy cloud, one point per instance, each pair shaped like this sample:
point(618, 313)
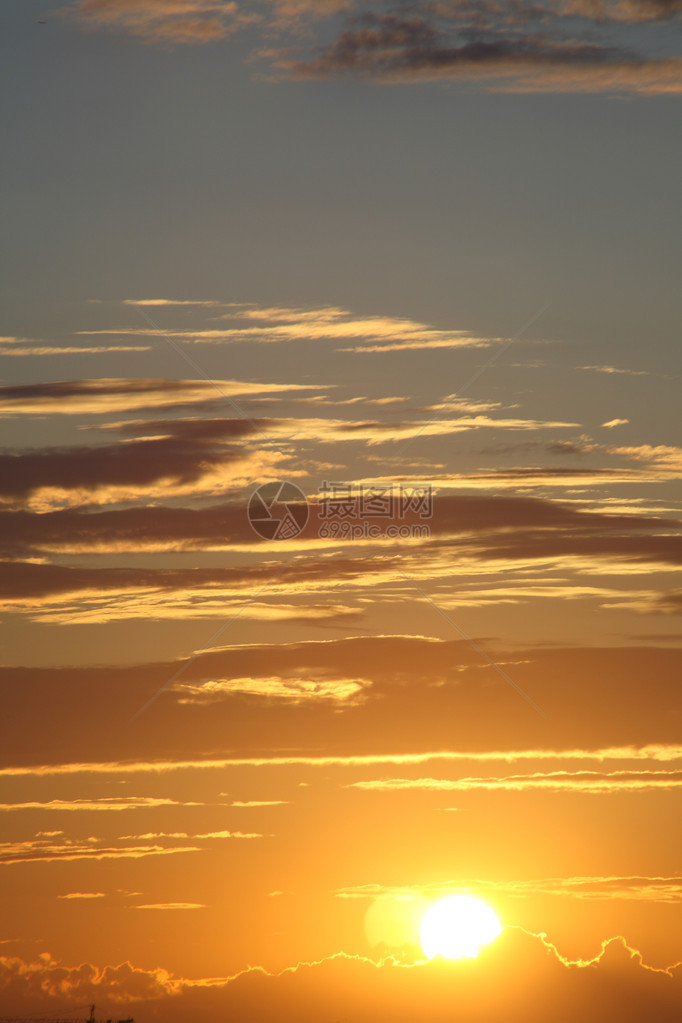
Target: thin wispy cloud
point(329, 323)
point(589, 782)
point(102, 804)
point(83, 895)
point(614, 370)
point(69, 852)
point(660, 753)
point(590, 888)
point(104, 396)
point(171, 905)
point(22, 346)
point(169, 302)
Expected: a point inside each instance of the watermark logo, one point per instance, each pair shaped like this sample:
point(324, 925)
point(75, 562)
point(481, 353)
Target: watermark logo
point(342, 511)
point(349, 511)
point(278, 511)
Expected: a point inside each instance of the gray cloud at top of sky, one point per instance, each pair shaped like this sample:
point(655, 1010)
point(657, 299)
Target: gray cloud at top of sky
point(519, 48)
point(167, 21)
point(559, 45)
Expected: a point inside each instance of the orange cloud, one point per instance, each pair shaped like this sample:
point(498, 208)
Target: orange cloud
point(656, 752)
point(293, 690)
point(23, 852)
point(591, 782)
point(640, 889)
point(105, 803)
point(83, 895)
point(171, 905)
point(438, 689)
point(260, 802)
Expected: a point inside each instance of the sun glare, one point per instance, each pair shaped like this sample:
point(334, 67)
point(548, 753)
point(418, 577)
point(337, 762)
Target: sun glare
point(456, 927)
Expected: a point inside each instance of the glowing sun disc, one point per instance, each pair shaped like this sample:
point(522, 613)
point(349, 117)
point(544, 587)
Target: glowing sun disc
point(456, 927)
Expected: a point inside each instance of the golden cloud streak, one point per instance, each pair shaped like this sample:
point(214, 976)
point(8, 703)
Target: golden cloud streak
point(105, 803)
point(653, 752)
point(553, 781)
point(592, 888)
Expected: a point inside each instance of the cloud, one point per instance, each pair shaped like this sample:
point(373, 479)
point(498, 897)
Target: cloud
point(25, 346)
point(330, 431)
point(599, 888)
point(163, 21)
point(154, 834)
point(190, 456)
point(530, 477)
point(670, 602)
point(609, 425)
point(624, 10)
point(67, 852)
point(592, 782)
point(48, 477)
point(657, 752)
point(168, 301)
point(527, 47)
point(476, 519)
point(58, 849)
point(613, 370)
point(83, 895)
point(437, 691)
point(566, 45)
point(171, 905)
point(480, 525)
point(105, 803)
point(296, 690)
point(519, 976)
point(73, 596)
point(582, 446)
point(103, 396)
point(47, 983)
point(231, 834)
point(662, 456)
point(265, 324)
point(260, 802)
point(181, 834)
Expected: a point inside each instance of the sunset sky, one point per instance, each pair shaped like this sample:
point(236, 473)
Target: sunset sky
point(421, 262)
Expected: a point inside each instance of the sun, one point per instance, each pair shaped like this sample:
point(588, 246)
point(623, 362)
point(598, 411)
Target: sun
point(456, 927)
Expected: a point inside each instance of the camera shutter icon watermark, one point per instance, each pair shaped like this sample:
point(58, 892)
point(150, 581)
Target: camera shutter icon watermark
point(278, 511)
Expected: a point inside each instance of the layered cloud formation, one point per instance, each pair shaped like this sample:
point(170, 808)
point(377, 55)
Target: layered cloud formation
point(556, 45)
